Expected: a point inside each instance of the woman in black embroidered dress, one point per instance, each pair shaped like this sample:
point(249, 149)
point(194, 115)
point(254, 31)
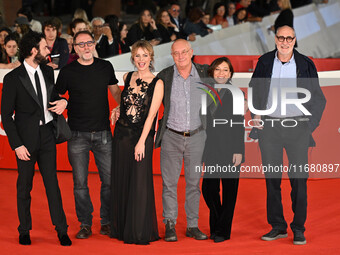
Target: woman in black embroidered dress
point(133, 213)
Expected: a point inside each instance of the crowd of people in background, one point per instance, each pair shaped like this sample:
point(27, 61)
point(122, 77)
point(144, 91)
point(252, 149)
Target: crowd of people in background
point(185, 136)
point(114, 37)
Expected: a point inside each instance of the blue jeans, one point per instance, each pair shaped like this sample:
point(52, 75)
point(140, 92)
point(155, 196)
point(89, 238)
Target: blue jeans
point(100, 143)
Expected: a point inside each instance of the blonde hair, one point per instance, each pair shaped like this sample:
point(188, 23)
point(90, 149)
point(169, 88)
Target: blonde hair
point(80, 14)
point(145, 45)
point(286, 4)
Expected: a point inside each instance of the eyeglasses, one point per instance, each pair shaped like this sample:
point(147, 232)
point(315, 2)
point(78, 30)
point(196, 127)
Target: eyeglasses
point(176, 10)
point(177, 53)
point(82, 44)
point(289, 39)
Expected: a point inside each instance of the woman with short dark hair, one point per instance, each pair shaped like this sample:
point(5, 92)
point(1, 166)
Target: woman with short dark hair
point(224, 147)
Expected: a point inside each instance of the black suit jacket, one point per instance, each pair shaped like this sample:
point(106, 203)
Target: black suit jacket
point(223, 141)
point(105, 49)
point(181, 22)
point(19, 97)
point(60, 47)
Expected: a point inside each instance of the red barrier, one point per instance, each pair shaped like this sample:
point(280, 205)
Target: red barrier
point(247, 63)
point(327, 64)
point(240, 63)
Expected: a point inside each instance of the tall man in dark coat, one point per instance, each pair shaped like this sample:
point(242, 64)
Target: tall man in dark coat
point(27, 92)
point(286, 68)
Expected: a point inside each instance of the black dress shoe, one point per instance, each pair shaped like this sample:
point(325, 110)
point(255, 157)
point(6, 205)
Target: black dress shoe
point(274, 234)
point(196, 233)
point(84, 233)
point(299, 238)
point(219, 239)
point(170, 232)
point(212, 236)
point(64, 240)
point(105, 229)
point(24, 239)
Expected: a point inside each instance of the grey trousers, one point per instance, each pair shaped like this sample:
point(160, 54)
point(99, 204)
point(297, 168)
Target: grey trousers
point(174, 149)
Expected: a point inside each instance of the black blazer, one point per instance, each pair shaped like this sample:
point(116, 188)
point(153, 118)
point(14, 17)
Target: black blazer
point(166, 33)
point(136, 33)
point(224, 140)
point(19, 96)
point(181, 22)
point(106, 50)
point(60, 47)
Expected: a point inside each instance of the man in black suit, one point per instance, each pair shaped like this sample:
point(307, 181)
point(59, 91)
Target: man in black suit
point(27, 92)
point(105, 45)
point(174, 11)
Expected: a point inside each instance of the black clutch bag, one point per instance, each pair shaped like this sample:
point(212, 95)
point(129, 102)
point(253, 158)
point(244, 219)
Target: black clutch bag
point(62, 131)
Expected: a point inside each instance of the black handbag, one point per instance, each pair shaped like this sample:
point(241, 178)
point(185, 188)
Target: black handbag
point(62, 131)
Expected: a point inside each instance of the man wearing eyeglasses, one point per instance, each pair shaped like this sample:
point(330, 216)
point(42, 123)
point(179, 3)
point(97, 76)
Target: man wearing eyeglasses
point(286, 68)
point(175, 11)
point(87, 81)
point(181, 136)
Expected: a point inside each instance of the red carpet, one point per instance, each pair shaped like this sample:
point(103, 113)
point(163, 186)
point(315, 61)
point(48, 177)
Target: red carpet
point(322, 234)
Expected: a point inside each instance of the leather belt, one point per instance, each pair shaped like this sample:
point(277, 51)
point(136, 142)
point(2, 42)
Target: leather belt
point(186, 133)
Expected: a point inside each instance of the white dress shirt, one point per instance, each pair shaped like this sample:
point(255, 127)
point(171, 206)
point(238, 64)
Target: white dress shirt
point(31, 71)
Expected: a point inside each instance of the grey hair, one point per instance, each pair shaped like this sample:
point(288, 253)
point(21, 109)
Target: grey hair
point(97, 18)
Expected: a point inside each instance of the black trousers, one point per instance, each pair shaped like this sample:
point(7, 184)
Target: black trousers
point(45, 156)
point(221, 213)
point(295, 140)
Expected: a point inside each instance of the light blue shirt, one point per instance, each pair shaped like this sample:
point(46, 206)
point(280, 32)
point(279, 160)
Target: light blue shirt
point(283, 76)
point(185, 101)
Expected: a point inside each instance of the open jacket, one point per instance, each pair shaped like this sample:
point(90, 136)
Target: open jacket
point(167, 76)
point(19, 97)
point(305, 68)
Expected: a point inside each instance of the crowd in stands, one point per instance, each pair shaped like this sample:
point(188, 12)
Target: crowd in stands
point(114, 37)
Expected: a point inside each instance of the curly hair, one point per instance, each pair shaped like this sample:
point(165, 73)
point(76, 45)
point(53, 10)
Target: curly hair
point(28, 42)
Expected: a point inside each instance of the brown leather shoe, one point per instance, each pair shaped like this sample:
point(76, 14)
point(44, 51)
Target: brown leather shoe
point(105, 229)
point(84, 233)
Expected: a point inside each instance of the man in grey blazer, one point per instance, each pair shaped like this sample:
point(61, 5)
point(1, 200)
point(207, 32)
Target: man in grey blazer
point(181, 136)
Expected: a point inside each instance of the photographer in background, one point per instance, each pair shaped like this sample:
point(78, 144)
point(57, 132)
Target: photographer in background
point(103, 36)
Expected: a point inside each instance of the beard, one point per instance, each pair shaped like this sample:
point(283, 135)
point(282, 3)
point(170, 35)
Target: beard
point(40, 59)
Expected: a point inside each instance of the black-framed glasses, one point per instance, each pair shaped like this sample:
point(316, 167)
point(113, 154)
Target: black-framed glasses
point(289, 39)
point(176, 10)
point(82, 44)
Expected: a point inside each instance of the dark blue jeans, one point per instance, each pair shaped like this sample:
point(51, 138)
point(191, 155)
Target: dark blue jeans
point(79, 147)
